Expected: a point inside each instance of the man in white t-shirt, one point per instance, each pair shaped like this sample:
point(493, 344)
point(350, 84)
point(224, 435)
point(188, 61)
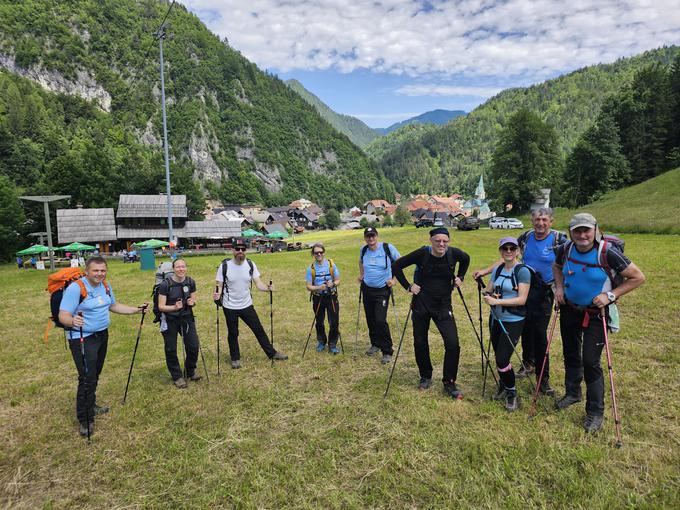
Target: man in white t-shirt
point(234, 296)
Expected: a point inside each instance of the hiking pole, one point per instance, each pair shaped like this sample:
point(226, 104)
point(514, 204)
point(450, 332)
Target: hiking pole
point(507, 335)
point(85, 371)
point(394, 309)
point(339, 334)
point(217, 326)
point(481, 344)
point(617, 421)
point(134, 353)
point(205, 367)
point(311, 327)
point(356, 335)
point(532, 412)
point(396, 357)
point(487, 352)
point(271, 315)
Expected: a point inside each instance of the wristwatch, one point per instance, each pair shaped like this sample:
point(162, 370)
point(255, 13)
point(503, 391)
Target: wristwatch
point(611, 296)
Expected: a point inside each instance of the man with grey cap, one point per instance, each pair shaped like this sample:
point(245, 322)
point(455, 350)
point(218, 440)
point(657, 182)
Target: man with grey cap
point(439, 269)
point(584, 272)
point(537, 247)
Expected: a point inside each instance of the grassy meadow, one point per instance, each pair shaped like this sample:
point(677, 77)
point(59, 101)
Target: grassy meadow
point(316, 432)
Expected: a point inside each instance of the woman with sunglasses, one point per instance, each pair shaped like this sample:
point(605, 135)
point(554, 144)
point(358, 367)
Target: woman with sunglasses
point(506, 294)
point(323, 278)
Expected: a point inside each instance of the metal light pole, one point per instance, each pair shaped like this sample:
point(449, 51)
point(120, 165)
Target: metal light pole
point(46, 199)
point(161, 36)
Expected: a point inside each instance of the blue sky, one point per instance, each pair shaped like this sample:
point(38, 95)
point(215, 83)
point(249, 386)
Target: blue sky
point(385, 61)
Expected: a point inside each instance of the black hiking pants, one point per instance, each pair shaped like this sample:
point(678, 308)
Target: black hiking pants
point(535, 336)
point(446, 324)
point(503, 348)
point(249, 316)
point(88, 373)
point(187, 330)
point(582, 346)
point(327, 304)
point(376, 304)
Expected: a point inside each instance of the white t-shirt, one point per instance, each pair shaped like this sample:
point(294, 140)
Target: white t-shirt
point(238, 284)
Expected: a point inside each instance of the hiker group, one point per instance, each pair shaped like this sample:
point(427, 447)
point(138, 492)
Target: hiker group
point(543, 273)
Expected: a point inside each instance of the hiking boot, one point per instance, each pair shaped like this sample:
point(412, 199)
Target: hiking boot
point(372, 350)
point(236, 363)
point(511, 401)
point(592, 423)
point(527, 370)
point(566, 401)
point(100, 409)
point(279, 357)
point(545, 389)
point(180, 383)
point(386, 358)
point(320, 347)
point(82, 430)
point(452, 391)
point(425, 383)
point(195, 377)
point(501, 393)
point(334, 350)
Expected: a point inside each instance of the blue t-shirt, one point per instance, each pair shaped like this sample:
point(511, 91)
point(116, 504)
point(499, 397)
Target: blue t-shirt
point(377, 267)
point(504, 282)
point(540, 255)
point(323, 274)
point(95, 307)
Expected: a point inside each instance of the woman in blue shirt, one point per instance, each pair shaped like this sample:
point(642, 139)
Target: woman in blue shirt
point(322, 279)
point(507, 293)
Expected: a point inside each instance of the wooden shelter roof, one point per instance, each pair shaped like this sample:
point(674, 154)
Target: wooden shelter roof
point(85, 225)
point(151, 206)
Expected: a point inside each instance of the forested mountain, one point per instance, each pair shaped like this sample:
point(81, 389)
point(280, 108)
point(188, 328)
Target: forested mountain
point(80, 113)
point(437, 117)
point(450, 158)
point(355, 129)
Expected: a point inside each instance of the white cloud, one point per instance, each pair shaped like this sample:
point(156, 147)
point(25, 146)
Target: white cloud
point(468, 37)
point(447, 90)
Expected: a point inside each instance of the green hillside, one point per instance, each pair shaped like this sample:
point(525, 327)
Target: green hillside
point(650, 207)
point(450, 158)
point(94, 127)
point(357, 131)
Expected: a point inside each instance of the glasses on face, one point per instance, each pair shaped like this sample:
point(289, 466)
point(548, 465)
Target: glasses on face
point(440, 241)
point(369, 235)
point(509, 248)
point(318, 253)
point(240, 248)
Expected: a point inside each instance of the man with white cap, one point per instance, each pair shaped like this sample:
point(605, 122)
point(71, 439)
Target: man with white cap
point(585, 269)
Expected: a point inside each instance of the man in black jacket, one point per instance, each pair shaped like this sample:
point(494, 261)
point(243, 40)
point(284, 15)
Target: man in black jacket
point(434, 280)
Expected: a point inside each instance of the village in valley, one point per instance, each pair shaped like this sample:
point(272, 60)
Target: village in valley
point(142, 217)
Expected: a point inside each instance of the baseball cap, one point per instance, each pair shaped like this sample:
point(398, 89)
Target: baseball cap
point(508, 240)
point(370, 231)
point(583, 220)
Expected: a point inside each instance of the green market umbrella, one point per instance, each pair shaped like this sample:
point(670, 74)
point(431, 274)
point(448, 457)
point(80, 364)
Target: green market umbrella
point(277, 235)
point(77, 247)
point(34, 250)
point(152, 243)
point(250, 233)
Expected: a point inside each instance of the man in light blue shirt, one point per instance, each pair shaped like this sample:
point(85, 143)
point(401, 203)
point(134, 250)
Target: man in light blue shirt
point(375, 277)
point(84, 311)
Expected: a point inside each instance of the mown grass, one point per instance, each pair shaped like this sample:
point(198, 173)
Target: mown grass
point(650, 207)
point(316, 433)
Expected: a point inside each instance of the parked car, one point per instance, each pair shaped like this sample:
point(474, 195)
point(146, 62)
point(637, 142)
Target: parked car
point(500, 222)
point(470, 223)
point(438, 222)
point(424, 222)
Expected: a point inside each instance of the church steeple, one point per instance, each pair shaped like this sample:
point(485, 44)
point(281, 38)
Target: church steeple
point(480, 194)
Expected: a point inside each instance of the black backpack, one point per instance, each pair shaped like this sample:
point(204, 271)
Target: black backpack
point(426, 266)
point(534, 306)
point(386, 249)
point(225, 287)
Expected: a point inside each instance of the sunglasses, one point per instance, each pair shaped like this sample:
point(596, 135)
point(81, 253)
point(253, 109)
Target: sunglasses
point(318, 253)
point(370, 235)
point(239, 248)
point(508, 248)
